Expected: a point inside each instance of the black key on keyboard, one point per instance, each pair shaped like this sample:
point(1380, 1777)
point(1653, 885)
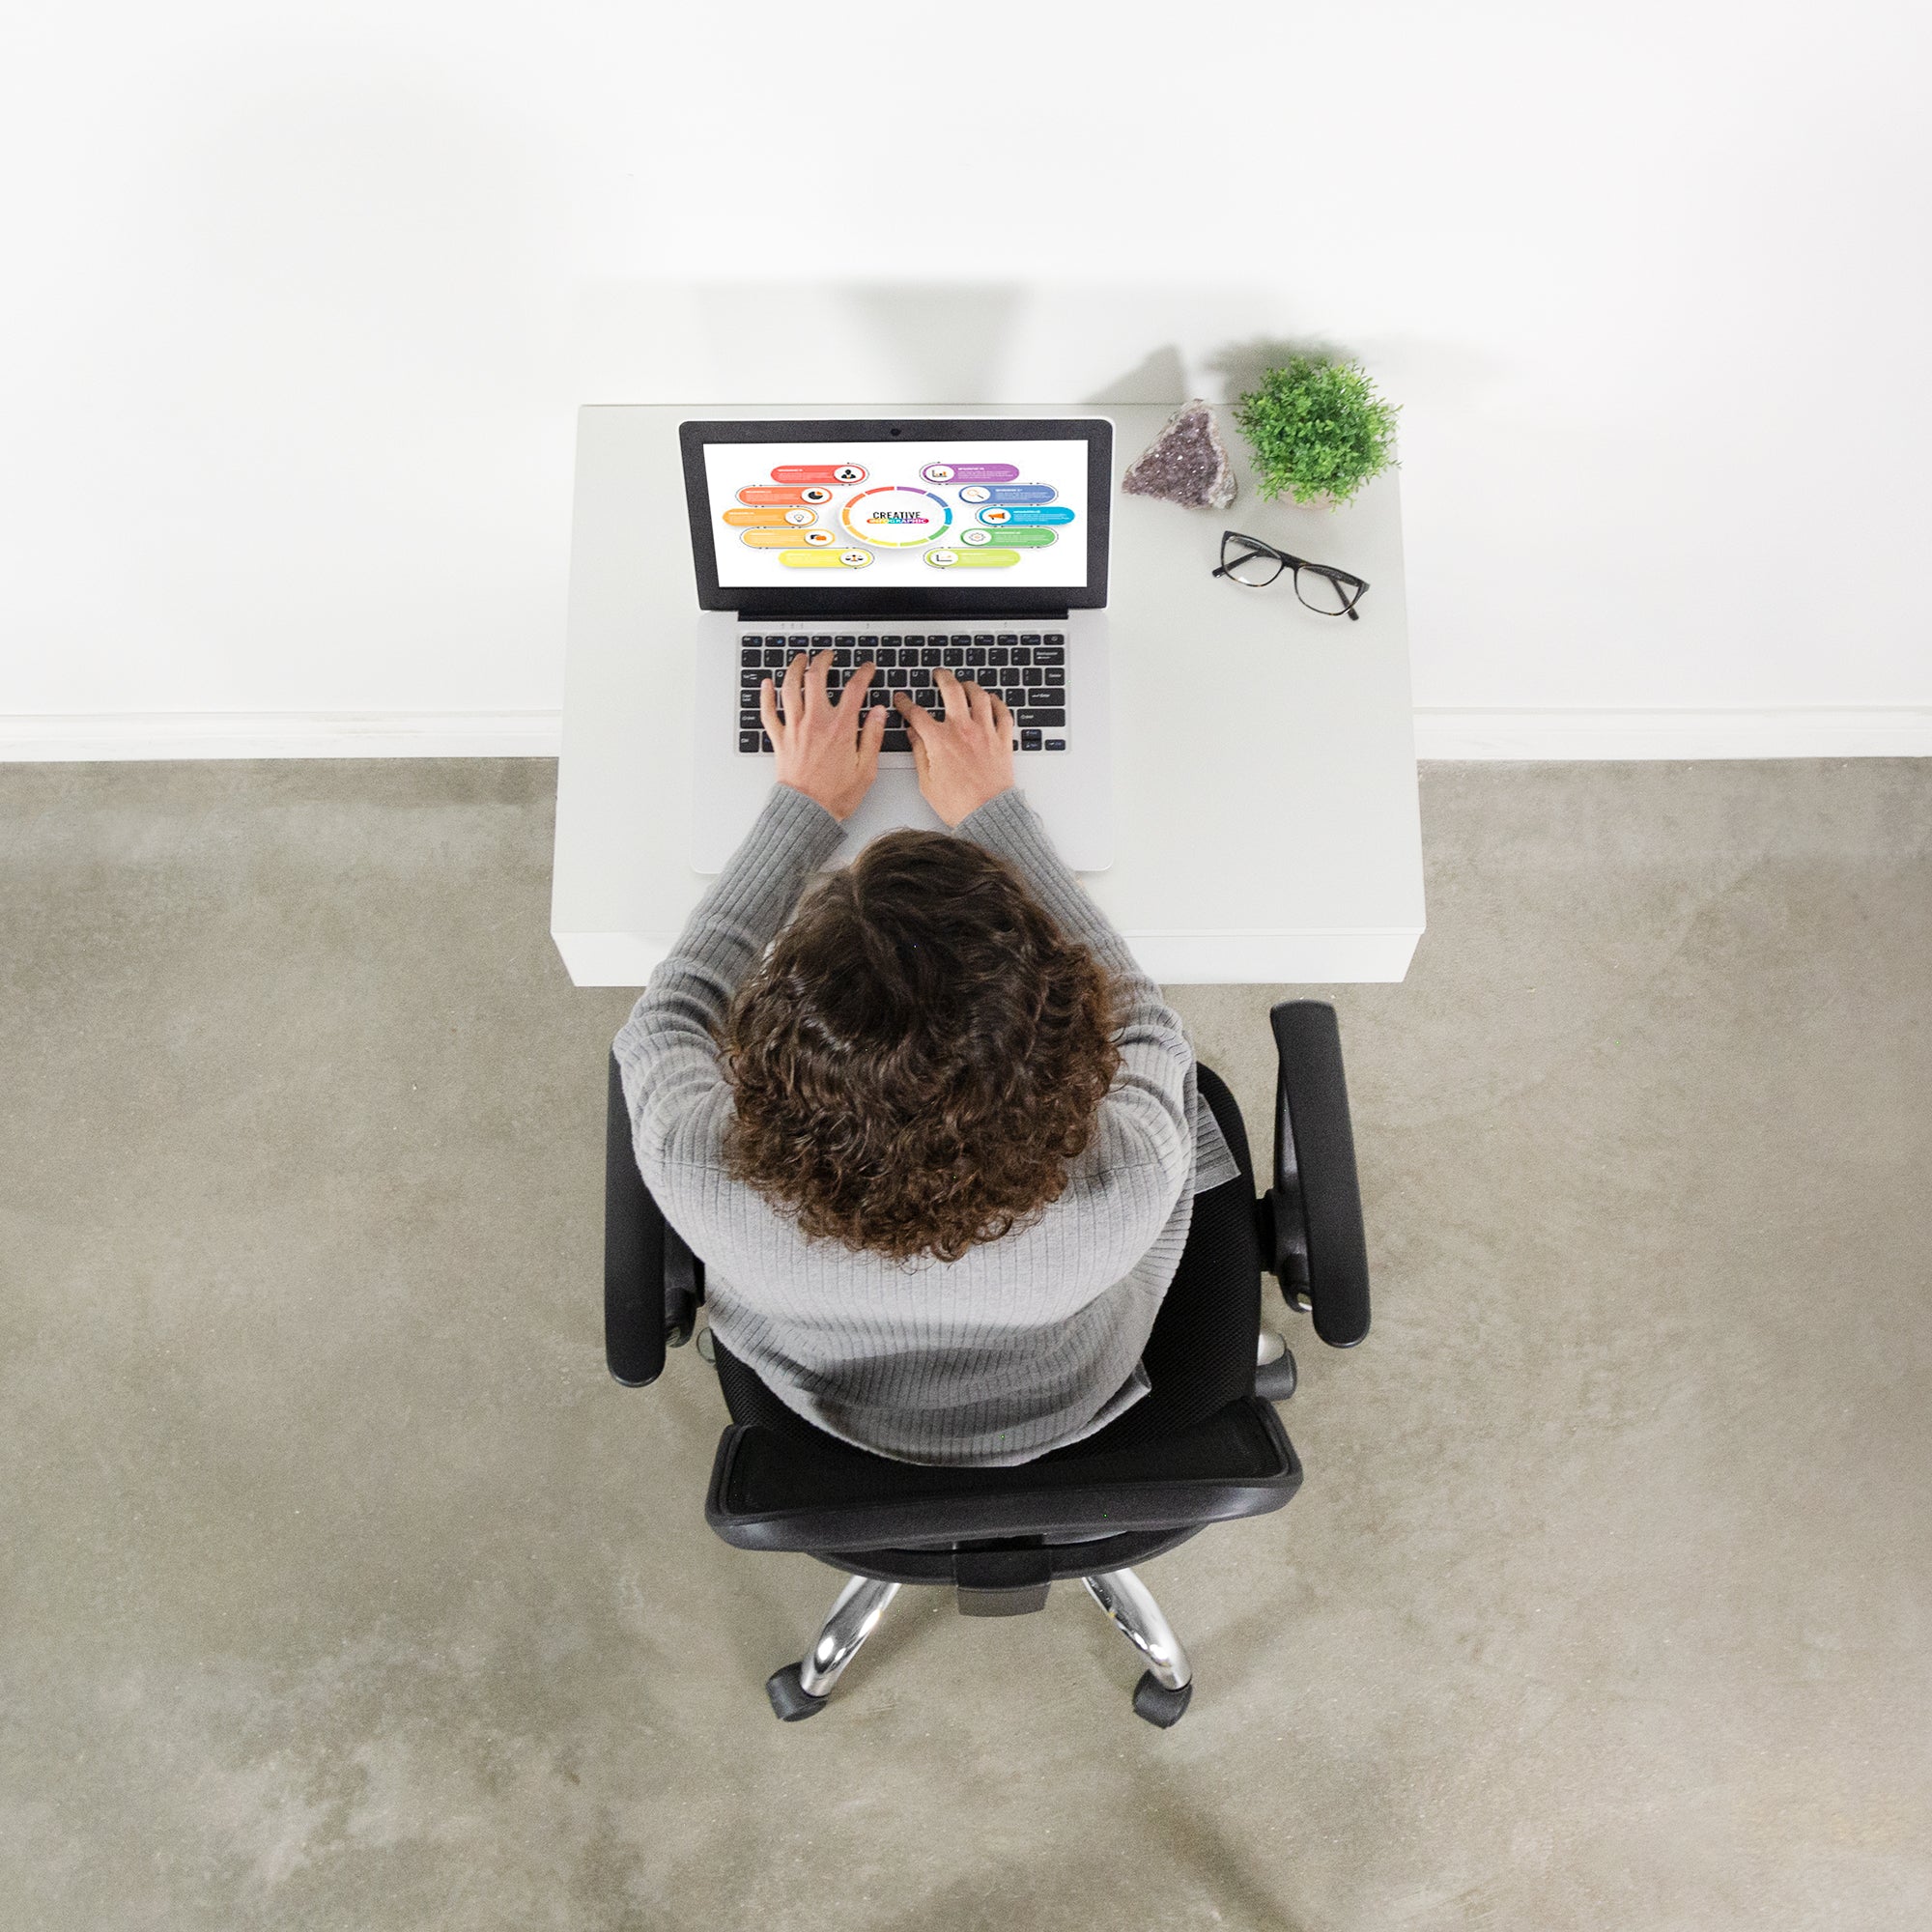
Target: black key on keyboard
point(996, 656)
point(1049, 654)
point(765, 742)
point(886, 657)
point(752, 655)
point(1028, 636)
point(877, 693)
point(932, 657)
point(816, 643)
point(954, 657)
point(886, 638)
point(1008, 638)
point(841, 641)
point(1028, 741)
point(751, 677)
point(748, 720)
point(775, 660)
point(748, 741)
point(1014, 696)
point(1022, 656)
point(1054, 637)
point(915, 637)
point(959, 638)
point(1056, 674)
point(897, 739)
point(842, 658)
point(895, 679)
point(983, 637)
point(920, 680)
point(1056, 744)
point(1038, 717)
point(751, 638)
point(976, 656)
point(1033, 674)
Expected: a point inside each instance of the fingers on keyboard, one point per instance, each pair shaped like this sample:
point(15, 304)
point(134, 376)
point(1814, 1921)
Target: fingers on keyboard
point(1025, 669)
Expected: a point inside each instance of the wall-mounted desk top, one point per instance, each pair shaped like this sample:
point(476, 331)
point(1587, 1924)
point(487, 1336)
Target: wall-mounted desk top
point(1265, 796)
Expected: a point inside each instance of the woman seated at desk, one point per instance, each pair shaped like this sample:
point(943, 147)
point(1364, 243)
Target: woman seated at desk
point(940, 1147)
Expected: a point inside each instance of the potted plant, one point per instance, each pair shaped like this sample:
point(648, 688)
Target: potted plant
point(1318, 430)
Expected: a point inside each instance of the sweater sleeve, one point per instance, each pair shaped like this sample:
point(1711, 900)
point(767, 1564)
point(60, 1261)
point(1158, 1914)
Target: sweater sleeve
point(666, 1051)
point(1152, 1096)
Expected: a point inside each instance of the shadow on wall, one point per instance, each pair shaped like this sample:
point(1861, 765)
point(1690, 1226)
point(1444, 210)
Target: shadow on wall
point(1240, 365)
point(1012, 344)
point(1159, 377)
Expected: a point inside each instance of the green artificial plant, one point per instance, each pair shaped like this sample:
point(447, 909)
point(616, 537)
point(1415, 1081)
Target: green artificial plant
point(1317, 429)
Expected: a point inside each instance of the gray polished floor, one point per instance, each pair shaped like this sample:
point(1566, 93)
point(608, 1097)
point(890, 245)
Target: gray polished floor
point(343, 1590)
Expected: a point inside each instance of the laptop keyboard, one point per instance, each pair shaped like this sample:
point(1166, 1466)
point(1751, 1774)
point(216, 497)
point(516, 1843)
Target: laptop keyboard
point(1027, 669)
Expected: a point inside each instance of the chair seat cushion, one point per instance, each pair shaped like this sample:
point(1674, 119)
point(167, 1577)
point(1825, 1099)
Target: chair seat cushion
point(773, 1492)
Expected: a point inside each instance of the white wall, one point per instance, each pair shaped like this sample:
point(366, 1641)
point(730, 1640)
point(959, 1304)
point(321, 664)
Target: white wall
point(297, 305)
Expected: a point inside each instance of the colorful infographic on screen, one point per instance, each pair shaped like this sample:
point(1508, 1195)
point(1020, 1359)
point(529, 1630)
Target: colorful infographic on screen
point(899, 512)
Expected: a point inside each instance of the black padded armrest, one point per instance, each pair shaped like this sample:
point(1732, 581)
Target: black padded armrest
point(633, 1232)
point(652, 1282)
point(1320, 1248)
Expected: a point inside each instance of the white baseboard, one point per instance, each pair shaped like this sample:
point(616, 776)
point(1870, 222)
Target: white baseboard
point(1823, 731)
point(1833, 732)
point(281, 734)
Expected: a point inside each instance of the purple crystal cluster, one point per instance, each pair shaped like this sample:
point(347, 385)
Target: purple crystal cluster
point(1186, 463)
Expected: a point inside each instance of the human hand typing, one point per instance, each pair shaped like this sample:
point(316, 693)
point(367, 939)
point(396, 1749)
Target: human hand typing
point(965, 757)
point(828, 748)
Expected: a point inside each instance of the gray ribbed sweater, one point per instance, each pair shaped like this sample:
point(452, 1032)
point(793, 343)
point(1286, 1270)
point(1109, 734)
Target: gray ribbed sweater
point(1021, 1346)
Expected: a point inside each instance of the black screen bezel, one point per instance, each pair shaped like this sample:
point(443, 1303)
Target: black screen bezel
point(938, 600)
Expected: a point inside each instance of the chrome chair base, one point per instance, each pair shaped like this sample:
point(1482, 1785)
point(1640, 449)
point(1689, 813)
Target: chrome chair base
point(854, 1617)
point(1162, 1697)
point(1130, 1604)
point(800, 1690)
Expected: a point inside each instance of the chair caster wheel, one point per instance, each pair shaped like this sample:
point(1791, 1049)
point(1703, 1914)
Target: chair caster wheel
point(791, 1699)
point(1156, 1703)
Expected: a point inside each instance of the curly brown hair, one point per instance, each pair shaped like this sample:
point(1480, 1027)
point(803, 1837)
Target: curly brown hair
point(920, 1054)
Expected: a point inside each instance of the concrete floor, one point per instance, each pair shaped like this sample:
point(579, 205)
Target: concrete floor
point(343, 1590)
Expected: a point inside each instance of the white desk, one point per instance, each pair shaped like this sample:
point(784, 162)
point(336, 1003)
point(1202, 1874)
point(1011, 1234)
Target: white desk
point(1265, 764)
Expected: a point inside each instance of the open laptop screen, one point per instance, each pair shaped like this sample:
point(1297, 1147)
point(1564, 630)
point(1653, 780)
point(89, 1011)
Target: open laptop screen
point(912, 516)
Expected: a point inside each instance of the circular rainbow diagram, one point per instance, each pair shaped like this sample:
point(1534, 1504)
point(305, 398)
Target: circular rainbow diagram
point(902, 521)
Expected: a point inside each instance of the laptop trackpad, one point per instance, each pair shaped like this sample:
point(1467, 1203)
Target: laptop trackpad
point(893, 801)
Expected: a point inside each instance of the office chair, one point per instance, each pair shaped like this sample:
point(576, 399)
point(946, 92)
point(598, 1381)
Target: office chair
point(1001, 1537)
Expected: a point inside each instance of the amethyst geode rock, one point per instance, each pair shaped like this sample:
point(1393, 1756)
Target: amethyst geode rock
point(1186, 463)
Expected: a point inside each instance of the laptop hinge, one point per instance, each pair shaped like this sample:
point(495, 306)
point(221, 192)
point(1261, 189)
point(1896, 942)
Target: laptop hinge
point(1004, 619)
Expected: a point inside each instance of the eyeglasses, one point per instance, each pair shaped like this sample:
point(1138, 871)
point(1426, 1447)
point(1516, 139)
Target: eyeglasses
point(1253, 565)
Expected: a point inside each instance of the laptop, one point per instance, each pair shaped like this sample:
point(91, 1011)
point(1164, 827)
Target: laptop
point(976, 544)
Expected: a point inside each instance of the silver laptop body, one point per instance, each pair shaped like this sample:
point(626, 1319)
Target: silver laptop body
point(916, 542)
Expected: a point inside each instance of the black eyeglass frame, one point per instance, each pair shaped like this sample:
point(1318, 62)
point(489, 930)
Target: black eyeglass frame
point(1348, 585)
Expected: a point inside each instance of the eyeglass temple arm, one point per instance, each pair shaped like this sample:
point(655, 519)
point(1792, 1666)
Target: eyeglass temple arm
point(1341, 580)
